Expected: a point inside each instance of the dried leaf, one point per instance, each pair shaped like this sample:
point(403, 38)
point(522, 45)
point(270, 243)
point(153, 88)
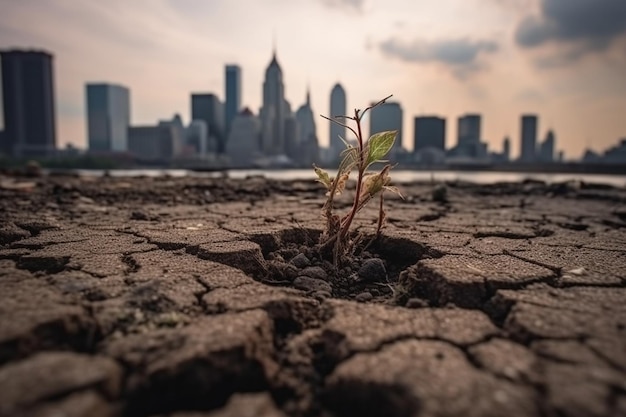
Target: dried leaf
point(394, 190)
point(341, 184)
point(322, 176)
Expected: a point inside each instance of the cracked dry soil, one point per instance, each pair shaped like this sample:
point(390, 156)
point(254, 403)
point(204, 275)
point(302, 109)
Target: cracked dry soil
point(199, 297)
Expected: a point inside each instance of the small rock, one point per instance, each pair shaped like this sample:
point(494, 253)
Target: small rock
point(301, 261)
point(321, 295)
point(48, 375)
point(81, 199)
point(440, 194)
point(306, 283)
point(33, 169)
point(139, 215)
point(364, 297)
point(416, 303)
point(291, 272)
point(372, 270)
point(315, 272)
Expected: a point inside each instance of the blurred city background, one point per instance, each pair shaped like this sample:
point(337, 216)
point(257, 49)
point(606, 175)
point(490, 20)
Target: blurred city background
point(477, 84)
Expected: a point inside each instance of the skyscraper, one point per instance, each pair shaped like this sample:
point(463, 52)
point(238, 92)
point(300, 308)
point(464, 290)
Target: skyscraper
point(307, 151)
point(546, 149)
point(108, 117)
point(306, 121)
point(275, 110)
point(529, 138)
point(232, 94)
point(208, 107)
point(468, 129)
point(506, 149)
point(430, 132)
point(243, 141)
point(197, 137)
point(387, 116)
point(337, 108)
point(29, 116)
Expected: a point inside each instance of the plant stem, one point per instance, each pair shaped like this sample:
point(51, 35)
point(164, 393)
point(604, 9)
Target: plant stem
point(345, 227)
point(381, 214)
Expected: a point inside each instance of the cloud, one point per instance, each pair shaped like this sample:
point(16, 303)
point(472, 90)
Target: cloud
point(516, 5)
point(530, 95)
point(349, 5)
point(592, 25)
point(462, 56)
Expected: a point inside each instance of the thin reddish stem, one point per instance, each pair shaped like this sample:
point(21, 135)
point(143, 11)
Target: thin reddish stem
point(345, 227)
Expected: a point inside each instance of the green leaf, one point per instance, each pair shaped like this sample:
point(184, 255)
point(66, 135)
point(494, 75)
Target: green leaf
point(322, 176)
point(379, 144)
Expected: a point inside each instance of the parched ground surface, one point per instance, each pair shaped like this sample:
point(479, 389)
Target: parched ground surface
point(146, 297)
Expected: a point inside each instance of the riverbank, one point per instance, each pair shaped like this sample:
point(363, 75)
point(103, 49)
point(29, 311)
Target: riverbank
point(160, 296)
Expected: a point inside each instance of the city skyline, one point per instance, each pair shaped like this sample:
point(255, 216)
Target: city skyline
point(433, 58)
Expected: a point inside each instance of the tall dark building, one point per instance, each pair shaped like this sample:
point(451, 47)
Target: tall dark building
point(209, 108)
point(275, 110)
point(232, 94)
point(337, 108)
point(387, 116)
point(469, 129)
point(28, 99)
point(429, 132)
point(108, 117)
point(546, 148)
point(529, 138)
point(506, 149)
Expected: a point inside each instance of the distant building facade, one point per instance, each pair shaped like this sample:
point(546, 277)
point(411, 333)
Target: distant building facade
point(307, 150)
point(157, 143)
point(546, 148)
point(468, 129)
point(174, 143)
point(387, 116)
point(506, 149)
point(292, 138)
point(28, 102)
point(616, 154)
point(275, 110)
point(528, 138)
point(243, 145)
point(209, 108)
point(143, 142)
point(197, 137)
point(469, 145)
point(232, 94)
point(429, 132)
point(108, 117)
point(337, 108)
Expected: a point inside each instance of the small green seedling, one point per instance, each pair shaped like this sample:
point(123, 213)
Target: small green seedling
point(368, 184)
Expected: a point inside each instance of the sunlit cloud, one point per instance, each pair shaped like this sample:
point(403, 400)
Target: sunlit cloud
point(461, 56)
point(347, 5)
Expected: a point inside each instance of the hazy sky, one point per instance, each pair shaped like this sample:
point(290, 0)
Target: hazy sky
point(564, 60)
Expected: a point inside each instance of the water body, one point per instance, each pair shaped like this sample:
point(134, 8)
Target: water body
point(400, 176)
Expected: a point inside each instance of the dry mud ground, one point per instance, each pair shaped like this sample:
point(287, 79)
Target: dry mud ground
point(146, 297)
